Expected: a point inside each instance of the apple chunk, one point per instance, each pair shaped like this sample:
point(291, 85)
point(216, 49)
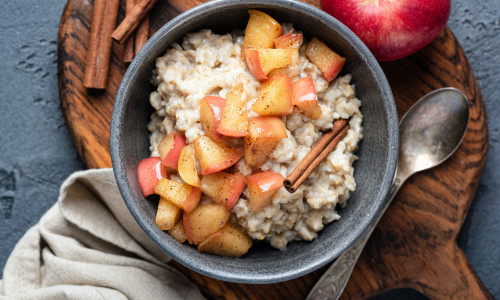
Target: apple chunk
point(167, 214)
point(178, 233)
point(305, 97)
point(214, 157)
point(275, 98)
point(187, 166)
point(149, 171)
point(291, 41)
point(261, 188)
point(170, 149)
point(264, 134)
point(223, 187)
point(329, 62)
point(229, 241)
point(182, 195)
point(261, 30)
point(203, 221)
point(210, 115)
point(261, 61)
point(234, 120)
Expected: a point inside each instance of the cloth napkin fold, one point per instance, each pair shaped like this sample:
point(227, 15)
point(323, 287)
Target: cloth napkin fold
point(88, 246)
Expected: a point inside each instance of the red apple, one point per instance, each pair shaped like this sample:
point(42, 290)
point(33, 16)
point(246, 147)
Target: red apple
point(391, 29)
point(149, 171)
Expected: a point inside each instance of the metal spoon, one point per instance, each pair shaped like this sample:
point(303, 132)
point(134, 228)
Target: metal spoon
point(430, 132)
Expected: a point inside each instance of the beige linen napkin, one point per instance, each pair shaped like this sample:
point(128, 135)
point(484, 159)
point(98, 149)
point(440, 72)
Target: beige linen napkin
point(88, 246)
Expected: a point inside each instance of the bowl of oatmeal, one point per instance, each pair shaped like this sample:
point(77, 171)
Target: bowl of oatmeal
point(198, 59)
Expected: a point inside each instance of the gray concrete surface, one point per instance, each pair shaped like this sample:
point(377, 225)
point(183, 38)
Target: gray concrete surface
point(37, 154)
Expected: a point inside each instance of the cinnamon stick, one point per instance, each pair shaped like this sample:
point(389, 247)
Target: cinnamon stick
point(142, 34)
point(128, 53)
point(99, 50)
point(132, 20)
point(321, 149)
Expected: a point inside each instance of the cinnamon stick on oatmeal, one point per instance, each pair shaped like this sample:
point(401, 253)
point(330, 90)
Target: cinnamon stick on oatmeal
point(321, 149)
point(128, 53)
point(142, 34)
point(132, 20)
point(99, 50)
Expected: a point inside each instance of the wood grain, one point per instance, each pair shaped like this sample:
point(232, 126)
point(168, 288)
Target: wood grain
point(415, 243)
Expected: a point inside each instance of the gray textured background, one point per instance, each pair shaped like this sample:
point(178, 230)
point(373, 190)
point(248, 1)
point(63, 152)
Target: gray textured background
point(36, 151)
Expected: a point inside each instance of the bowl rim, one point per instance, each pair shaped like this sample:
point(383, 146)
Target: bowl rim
point(392, 129)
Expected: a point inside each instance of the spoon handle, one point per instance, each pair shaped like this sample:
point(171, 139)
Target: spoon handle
point(334, 280)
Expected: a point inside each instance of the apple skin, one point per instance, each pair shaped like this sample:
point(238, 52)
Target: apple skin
point(391, 29)
point(149, 171)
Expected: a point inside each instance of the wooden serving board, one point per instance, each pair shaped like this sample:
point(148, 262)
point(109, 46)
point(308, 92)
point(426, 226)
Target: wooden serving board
point(415, 243)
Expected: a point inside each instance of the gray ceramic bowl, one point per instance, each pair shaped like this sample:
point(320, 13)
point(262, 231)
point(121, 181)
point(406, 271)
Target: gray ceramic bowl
point(373, 171)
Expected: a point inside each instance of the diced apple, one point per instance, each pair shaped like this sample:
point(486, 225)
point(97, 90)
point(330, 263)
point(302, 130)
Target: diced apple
point(261, 188)
point(305, 97)
point(182, 195)
point(234, 120)
point(291, 70)
point(327, 60)
point(261, 30)
point(149, 171)
point(292, 41)
point(210, 115)
point(214, 157)
point(170, 149)
point(178, 233)
point(167, 214)
point(289, 40)
point(229, 241)
point(264, 134)
point(204, 221)
point(275, 98)
point(262, 61)
point(187, 166)
point(223, 187)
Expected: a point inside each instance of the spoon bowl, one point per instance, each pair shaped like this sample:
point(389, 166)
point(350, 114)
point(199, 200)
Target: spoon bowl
point(432, 129)
point(430, 132)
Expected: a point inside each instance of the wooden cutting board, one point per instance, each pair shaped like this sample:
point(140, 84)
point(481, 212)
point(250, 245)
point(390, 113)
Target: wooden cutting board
point(415, 243)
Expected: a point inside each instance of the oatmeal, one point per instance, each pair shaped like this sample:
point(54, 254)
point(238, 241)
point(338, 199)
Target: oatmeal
point(208, 64)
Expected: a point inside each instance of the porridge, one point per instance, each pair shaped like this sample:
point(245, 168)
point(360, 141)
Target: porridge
point(209, 64)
